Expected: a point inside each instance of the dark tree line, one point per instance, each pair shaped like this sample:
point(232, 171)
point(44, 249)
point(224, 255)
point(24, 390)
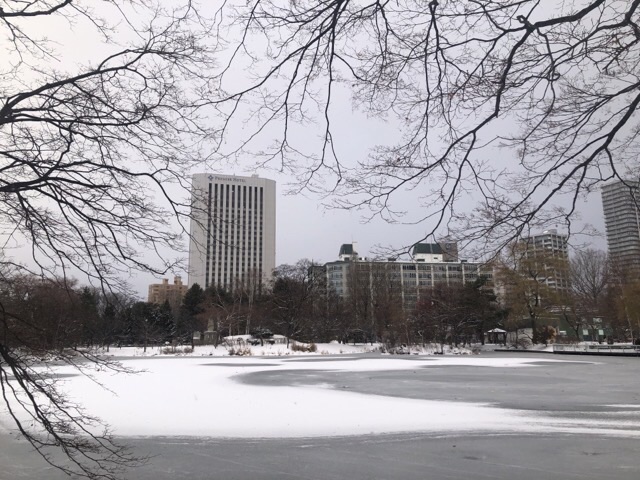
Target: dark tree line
point(52, 315)
point(542, 292)
point(458, 314)
point(300, 306)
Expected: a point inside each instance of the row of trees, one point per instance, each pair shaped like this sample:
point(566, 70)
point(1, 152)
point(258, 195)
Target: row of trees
point(540, 291)
point(47, 315)
point(53, 315)
point(603, 295)
point(587, 293)
point(299, 305)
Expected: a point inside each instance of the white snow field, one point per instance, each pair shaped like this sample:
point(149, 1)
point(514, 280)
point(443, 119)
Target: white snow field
point(202, 397)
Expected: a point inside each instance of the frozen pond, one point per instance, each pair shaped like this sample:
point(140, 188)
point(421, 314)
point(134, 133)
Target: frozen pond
point(489, 416)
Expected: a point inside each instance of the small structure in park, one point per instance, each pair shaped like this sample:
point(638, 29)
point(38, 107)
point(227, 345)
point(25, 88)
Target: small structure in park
point(263, 336)
point(496, 335)
point(258, 337)
point(210, 334)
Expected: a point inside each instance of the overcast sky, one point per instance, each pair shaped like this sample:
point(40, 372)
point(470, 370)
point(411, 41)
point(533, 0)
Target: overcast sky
point(305, 229)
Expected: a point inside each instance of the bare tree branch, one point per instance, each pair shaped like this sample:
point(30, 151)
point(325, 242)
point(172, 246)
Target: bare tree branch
point(94, 161)
point(520, 106)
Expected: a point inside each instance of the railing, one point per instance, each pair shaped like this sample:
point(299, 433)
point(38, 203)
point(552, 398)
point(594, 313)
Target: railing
point(598, 349)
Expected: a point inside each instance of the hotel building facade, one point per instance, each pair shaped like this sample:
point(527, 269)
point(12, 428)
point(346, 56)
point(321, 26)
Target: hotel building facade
point(233, 231)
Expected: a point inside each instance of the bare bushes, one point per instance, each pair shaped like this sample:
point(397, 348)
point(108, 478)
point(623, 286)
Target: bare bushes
point(176, 350)
point(304, 347)
point(240, 351)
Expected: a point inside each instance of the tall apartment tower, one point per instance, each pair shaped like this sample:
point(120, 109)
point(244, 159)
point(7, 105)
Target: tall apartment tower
point(550, 247)
point(620, 201)
point(233, 231)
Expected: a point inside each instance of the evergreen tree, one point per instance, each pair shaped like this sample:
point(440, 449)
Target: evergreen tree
point(192, 306)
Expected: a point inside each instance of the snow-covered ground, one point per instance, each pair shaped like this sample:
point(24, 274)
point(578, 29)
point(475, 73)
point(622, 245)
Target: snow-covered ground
point(249, 350)
point(196, 396)
point(279, 350)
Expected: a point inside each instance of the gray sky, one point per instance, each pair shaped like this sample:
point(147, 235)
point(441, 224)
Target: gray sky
point(304, 228)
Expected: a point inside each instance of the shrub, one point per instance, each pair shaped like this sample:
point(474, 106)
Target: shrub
point(239, 351)
point(304, 347)
point(173, 350)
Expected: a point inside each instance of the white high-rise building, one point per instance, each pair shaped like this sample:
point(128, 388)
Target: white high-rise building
point(233, 231)
point(550, 247)
point(622, 222)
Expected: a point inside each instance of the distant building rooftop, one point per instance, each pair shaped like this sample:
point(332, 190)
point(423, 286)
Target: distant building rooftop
point(347, 249)
point(427, 248)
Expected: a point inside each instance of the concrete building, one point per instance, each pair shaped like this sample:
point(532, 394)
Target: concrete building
point(622, 223)
point(233, 231)
point(549, 241)
point(161, 292)
point(431, 264)
point(550, 248)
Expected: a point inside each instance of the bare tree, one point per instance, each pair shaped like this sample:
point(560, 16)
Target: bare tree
point(555, 85)
point(39, 320)
point(91, 155)
point(590, 281)
point(442, 314)
point(524, 277)
point(227, 313)
point(331, 318)
point(456, 313)
point(376, 303)
point(85, 153)
point(589, 275)
point(292, 296)
point(627, 303)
